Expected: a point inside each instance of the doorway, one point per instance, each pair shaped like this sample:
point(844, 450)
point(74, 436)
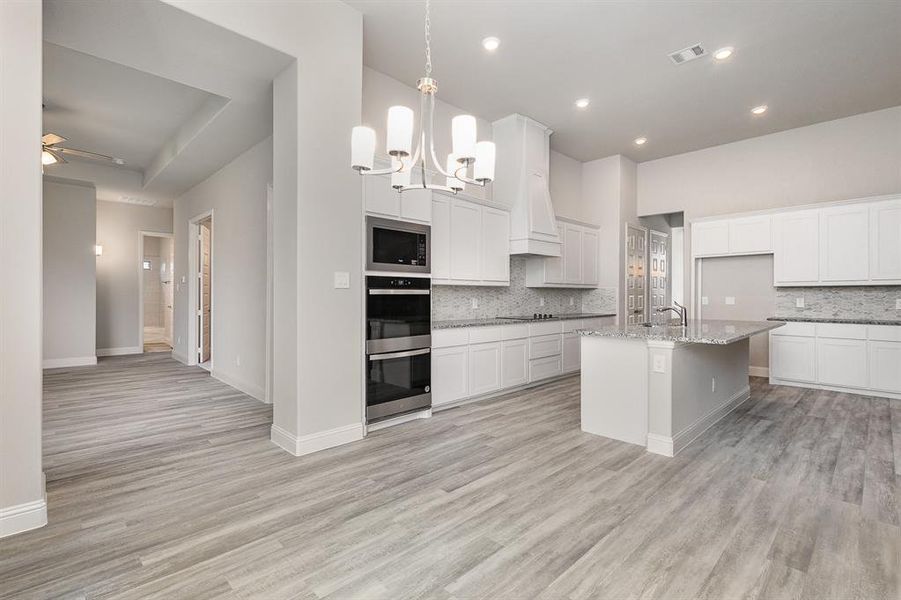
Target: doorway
point(201, 258)
point(156, 293)
point(635, 284)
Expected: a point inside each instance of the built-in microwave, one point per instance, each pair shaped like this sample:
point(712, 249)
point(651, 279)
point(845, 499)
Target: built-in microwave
point(397, 246)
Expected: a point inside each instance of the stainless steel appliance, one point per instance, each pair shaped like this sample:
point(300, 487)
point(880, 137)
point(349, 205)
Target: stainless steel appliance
point(398, 345)
point(397, 246)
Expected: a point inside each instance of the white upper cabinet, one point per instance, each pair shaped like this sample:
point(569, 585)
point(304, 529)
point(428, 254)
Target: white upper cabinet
point(576, 267)
point(710, 238)
point(470, 243)
point(751, 235)
point(465, 240)
point(572, 254)
point(844, 243)
point(885, 240)
point(796, 244)
point(382, 200)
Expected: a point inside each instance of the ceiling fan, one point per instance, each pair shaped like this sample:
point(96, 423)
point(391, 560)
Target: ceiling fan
point(52, 153)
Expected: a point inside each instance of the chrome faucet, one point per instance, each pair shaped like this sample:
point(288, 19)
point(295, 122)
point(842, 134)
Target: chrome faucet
point(679, 310)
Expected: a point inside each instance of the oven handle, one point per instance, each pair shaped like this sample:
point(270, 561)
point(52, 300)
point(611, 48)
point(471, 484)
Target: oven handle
point(393, 292)
point(391, 355)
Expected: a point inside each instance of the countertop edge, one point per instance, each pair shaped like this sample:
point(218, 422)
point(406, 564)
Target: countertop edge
point(652, 336)
point(861, 321)
point(495, 322)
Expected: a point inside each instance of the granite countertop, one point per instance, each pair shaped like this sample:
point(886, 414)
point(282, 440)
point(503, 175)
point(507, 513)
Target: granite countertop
point(850, 321)
point(697, 332)
point(453, 323)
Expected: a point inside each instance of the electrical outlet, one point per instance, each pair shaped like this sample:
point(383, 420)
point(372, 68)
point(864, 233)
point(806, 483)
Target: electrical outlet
point(238, 360)
point(659, 363)
point(541, 302)
point(713, 384)
point(342, 280)
point(799, 302)
point(705, 300)
point(572, 301)
point(177, 286)
point(178, 340)
point(730, 300)
point(475, 303)
point(183, 279)
point(898, 304)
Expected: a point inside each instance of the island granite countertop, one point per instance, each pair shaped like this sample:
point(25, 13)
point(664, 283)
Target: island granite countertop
point(697, 332)
point(850, 321)
point(453, 323)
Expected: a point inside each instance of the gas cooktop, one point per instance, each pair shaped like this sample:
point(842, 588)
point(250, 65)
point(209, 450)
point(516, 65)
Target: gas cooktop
point(534, 317)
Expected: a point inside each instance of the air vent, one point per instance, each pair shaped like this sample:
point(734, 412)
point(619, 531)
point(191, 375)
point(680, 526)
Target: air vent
point(687, 54)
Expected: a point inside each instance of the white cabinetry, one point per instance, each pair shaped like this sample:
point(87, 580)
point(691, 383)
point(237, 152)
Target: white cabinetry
point(796, 247)
point(514, 362)
point(844, 243)
point(450, 374)
point(885, 241)
point(751, 235)
point(382, 200)
point(470, 243)
point(864, 359)
point(576, 267)
point(484, 368)
point(710, 238)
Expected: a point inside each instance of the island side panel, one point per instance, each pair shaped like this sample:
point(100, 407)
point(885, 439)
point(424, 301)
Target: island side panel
point(683, 402)
point(615, 388)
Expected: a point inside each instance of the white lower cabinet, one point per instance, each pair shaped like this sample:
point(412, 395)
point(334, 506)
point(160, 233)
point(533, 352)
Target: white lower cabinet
point(885, 365)
point(514, 362)
point(484, 368)
point(842, 362)
point(542, 368)
point(793, 358)
point(450, 374)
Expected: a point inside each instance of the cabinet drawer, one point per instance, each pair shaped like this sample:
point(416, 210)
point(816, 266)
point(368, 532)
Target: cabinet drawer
point(542, 368)
point(545, 328)
point(796, 329)
point(514, 332)
point(545, 345)
point(886, 333)
point(479, 335)
point(572, 325)
point(443, 338)
point(844, 331)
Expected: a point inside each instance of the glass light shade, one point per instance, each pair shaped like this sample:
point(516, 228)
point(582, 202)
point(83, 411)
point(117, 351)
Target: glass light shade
point(98, 250)
point(400, 130)
point(463, 133)
point(362, 148)
point(400, 178)
point(483, 169)
point(47, 158)
point(452, 166)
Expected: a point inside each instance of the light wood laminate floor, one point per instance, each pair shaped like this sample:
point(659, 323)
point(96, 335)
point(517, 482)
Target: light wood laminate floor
point(162, 483)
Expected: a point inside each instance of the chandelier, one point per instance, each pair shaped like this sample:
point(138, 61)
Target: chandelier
point(467, 152)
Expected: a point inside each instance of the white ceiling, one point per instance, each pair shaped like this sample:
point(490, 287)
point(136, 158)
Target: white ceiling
point(808, 60)
point(128, 79)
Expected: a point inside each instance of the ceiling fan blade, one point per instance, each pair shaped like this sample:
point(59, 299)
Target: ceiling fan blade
point(84, 154)
point(48, 139)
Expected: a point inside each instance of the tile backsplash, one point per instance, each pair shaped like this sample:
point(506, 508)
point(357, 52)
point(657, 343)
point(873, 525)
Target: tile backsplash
point(455, 302)
point(868, 302)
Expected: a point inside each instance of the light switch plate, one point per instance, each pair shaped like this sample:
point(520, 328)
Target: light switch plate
point(541, 302)
point(342, 280)
point(730, 300)
point(659, 363)
point(799, 302)
point(475, 302)
point(705, 300)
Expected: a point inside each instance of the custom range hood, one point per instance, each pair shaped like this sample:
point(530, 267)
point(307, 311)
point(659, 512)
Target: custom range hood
point(521, 182)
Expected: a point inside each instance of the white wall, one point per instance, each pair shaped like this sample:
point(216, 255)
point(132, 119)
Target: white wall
point(566, 189)
point(237, 196)
point(119, 271)
point(69, 233)
point(837, 160)
point(22, 503)
point(318, 333)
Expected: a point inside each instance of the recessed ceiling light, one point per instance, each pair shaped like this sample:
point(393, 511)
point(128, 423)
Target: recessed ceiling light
point(759, 110)
point(491, 44)
point(641, 141)
point(723, 53)
point(582, 103)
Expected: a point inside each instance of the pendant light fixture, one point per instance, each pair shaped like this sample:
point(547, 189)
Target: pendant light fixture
point(467, 152)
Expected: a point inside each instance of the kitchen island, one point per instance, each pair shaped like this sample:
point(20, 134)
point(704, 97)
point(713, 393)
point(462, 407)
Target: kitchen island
point(661, 387)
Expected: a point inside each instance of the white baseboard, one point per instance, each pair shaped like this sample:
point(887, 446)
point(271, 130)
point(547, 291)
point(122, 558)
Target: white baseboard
point(307, 444)
point(758, 371)
point(422, 414)
point(75, 361)
point(671, 446)
point(180, 357)
point(120, 351)
point(835, 388)
point(23, 517)
point(252, 390)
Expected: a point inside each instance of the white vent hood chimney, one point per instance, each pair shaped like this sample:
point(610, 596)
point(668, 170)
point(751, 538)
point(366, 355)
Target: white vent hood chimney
point(521, 182)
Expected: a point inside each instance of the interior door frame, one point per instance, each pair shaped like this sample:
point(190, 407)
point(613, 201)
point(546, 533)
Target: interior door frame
point(141, 235)
point(193, 270)
point(625, 280)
